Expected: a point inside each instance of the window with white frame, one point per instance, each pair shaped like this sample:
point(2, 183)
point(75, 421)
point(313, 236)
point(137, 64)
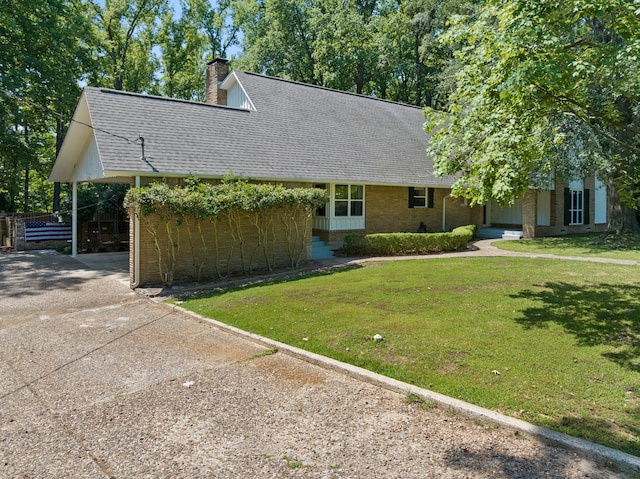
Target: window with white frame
point(576, 198)
point(349, 200)
point(576, 207)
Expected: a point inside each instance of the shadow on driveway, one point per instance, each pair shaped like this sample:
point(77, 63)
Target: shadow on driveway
point(45, 283)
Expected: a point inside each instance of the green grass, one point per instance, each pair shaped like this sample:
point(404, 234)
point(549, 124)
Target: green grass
point(589, 245)
point(564, 336)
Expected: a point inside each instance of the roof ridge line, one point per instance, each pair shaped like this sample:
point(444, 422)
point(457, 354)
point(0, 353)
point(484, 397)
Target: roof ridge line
point(320, 87)
point(111, 91)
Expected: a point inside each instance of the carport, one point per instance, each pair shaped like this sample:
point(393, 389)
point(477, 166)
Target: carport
point(111, 264)
point(79, 160)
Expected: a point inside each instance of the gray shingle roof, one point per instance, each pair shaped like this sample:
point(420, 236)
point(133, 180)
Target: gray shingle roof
point(299, 132)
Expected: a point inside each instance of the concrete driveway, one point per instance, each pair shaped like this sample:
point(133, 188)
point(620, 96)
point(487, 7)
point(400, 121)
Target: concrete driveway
point(98, 382)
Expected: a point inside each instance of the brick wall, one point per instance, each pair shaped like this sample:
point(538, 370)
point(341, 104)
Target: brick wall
point(387, 211)
point(200, 254)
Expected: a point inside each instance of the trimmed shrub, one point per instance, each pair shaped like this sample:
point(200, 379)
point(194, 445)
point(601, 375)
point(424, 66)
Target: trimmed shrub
point(391, 244)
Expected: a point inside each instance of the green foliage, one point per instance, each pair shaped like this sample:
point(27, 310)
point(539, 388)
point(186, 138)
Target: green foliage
point(93, 198)
point(183, 67)
point(44, 53)
point(541, 87)
point(202, 32)
point(126, 33)
point(389, 244)
point(213, 20)
point(378, 48)
point(278, 38)
point(167, 211)
point(210, 200)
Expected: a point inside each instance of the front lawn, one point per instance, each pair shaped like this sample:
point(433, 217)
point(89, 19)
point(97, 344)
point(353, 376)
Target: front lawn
point(564, 336)
point(587, 245)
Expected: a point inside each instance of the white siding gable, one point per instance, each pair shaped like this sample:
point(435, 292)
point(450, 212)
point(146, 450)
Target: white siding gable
point(89, 166)
point(236, 94)
point(236, 97)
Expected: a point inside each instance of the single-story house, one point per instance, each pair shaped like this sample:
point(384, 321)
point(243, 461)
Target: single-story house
point(369, 154)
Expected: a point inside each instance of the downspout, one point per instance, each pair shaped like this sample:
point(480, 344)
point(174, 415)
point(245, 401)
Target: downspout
point(74, 219)
point(136, 245)
point(444, 213)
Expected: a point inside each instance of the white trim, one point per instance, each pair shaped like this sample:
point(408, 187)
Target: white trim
point(444, 213)
point(74, 219)
point(543, 208)
point(232, 79)
point(343, 223)
point(576, 203)
point(425, 197)
point(600, 202)
point(113, 174)
point(136, 246)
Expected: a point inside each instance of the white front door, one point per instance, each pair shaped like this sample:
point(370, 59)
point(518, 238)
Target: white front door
point(505, 215)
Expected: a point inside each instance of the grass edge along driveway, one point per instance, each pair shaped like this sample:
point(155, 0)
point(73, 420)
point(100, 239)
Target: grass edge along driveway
point(555, 343)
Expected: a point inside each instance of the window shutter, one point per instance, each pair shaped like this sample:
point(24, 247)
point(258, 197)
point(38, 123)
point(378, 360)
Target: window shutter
point(585, 199)
point(567, 205)
point(411, 195)
point(430, 192)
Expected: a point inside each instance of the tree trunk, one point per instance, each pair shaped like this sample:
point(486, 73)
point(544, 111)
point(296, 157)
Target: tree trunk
point(360, 78)
point(27, 166)
point(25, 204)
point(56, 185)
point(621, 218)
point(417, 40)
point(622, 215)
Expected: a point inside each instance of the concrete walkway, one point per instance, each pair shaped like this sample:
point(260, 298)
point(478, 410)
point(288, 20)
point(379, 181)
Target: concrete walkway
point(99, 382)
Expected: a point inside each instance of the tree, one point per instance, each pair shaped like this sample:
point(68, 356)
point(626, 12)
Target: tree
point(413, 63)
point(278, 38)
point(127, 31)
point(543, 88)
point(386, 49)
point(182, 47)
point(201, 32)
point(214, 21)
point(43, 53)
point(344, 50)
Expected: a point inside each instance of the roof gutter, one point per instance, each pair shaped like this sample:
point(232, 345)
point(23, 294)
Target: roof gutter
point(160, 176)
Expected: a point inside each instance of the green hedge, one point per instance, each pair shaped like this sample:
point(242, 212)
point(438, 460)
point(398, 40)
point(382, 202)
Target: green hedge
point(390, 244)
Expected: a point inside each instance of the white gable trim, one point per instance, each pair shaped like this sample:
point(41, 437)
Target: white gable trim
point(79, 157)
point(89, 166)
point(232, 82)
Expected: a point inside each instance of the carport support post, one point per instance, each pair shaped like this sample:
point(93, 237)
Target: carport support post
point(74, 219)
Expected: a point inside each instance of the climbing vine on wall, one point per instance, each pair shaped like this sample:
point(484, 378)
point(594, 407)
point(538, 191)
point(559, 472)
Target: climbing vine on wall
point(253, 214)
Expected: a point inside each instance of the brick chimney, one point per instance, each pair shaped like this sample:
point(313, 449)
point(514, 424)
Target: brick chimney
point(217, 70)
